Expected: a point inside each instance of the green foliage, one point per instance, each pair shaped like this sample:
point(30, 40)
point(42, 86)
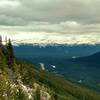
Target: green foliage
point(37, 95)
point(0, 41)
point(55, 96)
point(21, 95)
point(6, 90)
point(10, 54)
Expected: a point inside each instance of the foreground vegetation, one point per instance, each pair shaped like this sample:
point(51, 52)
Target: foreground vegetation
point(22, 81)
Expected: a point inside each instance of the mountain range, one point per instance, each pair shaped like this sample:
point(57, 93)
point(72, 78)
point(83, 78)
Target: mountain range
point(64, 61)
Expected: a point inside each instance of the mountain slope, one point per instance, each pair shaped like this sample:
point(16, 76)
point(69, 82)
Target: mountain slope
point(93, 59)
point(22, 81)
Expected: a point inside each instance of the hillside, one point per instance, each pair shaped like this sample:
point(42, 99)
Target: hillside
point(92, 60)
point(22, 81)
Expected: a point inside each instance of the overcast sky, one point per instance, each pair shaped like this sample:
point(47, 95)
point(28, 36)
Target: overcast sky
point(51, 16)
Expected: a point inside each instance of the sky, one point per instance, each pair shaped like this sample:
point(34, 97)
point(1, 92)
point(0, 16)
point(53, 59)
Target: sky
point(51, 21)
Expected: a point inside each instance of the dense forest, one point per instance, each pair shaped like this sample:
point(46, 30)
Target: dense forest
point(20, 80)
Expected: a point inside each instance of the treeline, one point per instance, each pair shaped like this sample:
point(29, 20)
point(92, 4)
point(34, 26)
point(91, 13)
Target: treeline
point(6, 52)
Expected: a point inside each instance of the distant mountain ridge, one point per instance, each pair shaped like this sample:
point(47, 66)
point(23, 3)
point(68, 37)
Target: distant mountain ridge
point(64, 51)
point(94, 58)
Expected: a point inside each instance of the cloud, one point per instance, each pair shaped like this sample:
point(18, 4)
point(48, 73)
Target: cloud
point(70, 24)
point(52, 16)
point(53, 11)
point(43, 38)
point(9, 3)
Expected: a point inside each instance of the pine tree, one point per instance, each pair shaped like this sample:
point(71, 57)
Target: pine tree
point(10, 54)
point(1, 49)
point(0, 40)
point(6, 40)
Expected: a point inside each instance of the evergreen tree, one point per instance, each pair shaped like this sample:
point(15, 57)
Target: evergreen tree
point(10, 54)
point(1, 49)
point(0, 40)
point(6, 40)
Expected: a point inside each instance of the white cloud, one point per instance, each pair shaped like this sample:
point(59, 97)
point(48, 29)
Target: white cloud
point(9, 3)
point(52, 38)
point(70, 24)
point(51, 21)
